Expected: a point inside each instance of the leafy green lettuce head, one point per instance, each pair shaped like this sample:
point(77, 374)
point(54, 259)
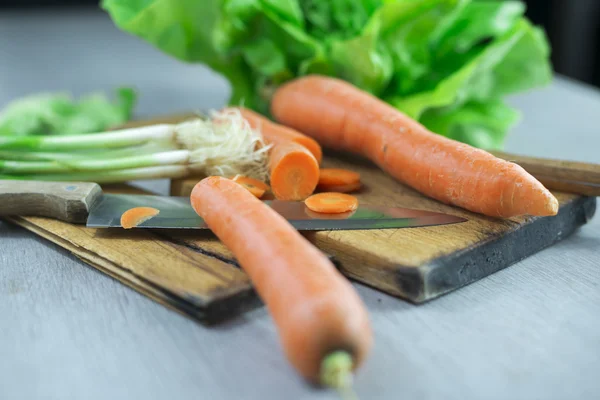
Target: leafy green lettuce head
point(447, 63)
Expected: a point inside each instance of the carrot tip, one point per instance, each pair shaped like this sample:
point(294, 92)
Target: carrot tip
point(553, 206)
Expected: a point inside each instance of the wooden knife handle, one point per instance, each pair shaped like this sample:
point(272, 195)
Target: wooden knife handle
point(561, 175)
point(65, 201)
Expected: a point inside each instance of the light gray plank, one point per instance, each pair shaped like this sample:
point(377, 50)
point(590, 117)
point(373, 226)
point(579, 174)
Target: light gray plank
point(69, 332)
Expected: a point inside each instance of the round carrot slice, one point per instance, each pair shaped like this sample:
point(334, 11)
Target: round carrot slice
point(350, 187)
point(331, 203)
point(338, 177)
point(256, 187)
point(137, 216)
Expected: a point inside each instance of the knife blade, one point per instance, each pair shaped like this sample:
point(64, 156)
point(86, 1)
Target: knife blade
point(177, 213)
point(86, 203)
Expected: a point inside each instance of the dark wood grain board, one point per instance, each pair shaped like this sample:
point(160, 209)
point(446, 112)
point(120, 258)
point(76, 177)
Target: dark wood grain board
point(195, 274)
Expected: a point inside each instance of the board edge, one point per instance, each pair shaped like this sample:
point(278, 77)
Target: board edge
point(455, 271)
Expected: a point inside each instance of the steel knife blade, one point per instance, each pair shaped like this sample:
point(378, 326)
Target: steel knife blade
point(86, 203)
point(177, 213)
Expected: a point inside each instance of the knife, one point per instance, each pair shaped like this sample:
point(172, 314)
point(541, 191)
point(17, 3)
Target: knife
point(86, 203)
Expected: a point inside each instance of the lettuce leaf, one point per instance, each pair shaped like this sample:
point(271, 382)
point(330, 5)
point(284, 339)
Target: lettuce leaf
point(59, 114)
point(447, 63)
point(483, 125)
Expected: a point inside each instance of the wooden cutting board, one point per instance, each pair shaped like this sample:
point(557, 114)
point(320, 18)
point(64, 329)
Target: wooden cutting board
point(193, 273)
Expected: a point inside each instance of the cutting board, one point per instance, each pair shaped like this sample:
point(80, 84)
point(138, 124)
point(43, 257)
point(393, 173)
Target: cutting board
point(193, 273)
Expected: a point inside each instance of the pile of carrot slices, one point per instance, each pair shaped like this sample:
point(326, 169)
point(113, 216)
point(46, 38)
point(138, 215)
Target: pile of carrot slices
point(322, 323)
point(294, 166)
point(332, 200)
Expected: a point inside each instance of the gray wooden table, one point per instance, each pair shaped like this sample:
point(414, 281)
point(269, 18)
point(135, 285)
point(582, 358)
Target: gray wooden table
point(531, 331)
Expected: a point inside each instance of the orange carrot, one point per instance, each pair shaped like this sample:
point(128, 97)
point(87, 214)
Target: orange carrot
point(294, 171)
point(338, 180)
point(254, 186)
point(340, 116)
point(320, 319)
point(331, 203)
point(137, 216)
point(274, 133)
point(347, 188)
point(337, 176)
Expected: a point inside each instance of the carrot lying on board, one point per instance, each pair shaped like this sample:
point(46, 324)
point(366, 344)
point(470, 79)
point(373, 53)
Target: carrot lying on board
point(331, 203)
point(294, 171)
point(338, 180)
point(322, 322)
point(274, 133)
point(137, 216)
point(254, 186)
point(340, 116)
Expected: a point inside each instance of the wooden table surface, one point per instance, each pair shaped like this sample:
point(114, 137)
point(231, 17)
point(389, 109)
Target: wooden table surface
point(68, 332)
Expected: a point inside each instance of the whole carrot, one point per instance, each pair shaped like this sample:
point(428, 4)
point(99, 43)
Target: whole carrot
point(322, 323)
point(274, 133)
point(340, 116)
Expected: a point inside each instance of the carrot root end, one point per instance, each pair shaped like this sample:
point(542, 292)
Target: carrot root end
point(336, 370)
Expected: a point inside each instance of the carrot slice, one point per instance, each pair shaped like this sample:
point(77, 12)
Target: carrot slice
point(294, 172)
point(342, 117)
point(338, 177)
point(256, 187)
point(347, 188)
point(274, 133)
point(137, 216)
point(331, 203)
point(322, 323)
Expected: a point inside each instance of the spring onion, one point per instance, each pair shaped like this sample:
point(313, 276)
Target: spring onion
point(108, 140)
point(28, 155)
point(124, 175)
point(176, 157)
point(222, 144)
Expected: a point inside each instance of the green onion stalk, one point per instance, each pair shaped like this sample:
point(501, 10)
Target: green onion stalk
point(223, 144)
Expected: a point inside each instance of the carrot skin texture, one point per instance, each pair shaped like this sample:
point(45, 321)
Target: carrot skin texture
point(274, 133)
point(341, 116)
point(315, 309)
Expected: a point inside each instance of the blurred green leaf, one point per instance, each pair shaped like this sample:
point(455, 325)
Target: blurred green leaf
point(59, 114)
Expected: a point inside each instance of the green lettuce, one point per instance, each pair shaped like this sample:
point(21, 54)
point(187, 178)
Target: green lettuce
point(447, 63)
point(59, 114)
